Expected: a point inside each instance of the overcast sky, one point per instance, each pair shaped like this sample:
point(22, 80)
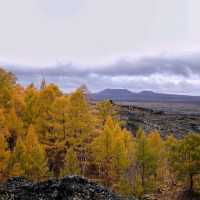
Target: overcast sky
point(133, 44)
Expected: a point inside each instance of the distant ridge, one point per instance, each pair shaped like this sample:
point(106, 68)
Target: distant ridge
point(144, 96)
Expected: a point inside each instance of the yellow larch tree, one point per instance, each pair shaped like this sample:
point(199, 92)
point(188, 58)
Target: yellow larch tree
point(7, 83)
point(157, 147)
point(37, 167)
point(105, 109)
point(15, 128)
point(4, 157)
point(18, 161)
point(80, 127)
point(31, 111)
point(145, 164)
point(71, 164)
point(3, 124)
point(113, 153)
point(60, 119)
point(43, 122)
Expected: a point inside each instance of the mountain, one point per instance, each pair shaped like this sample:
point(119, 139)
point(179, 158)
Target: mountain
point(144, 96)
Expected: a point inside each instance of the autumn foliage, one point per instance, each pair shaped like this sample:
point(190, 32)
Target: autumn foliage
point(46, 133)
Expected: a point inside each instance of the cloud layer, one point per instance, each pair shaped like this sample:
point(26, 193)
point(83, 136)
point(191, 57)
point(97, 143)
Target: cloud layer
point(178, 73)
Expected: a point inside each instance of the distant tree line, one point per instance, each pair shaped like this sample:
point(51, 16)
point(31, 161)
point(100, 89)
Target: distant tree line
point(46, 133)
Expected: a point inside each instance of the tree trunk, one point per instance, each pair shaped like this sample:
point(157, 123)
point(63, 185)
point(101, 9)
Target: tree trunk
point(191, 183)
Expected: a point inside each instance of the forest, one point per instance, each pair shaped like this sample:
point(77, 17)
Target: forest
point(47, 133)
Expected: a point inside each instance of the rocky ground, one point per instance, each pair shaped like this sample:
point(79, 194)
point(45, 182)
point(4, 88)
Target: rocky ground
point(68, 188)
point(166, 120)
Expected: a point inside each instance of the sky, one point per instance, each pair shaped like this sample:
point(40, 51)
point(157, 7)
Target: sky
point(133, 44)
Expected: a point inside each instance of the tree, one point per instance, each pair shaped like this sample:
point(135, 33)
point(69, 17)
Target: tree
point(119, 161)
point(185, 159)
point(7, 83)
point(18, 103)
point(4, 156)
point(119, 153)
point(105, 109)
point(170, 147)
point(71, 164)
point(102, 151)
point(156, 145)
point(145, 161)
point(112, 151)
point(43, 84)
point(15, 128)
point(18, 161)
point(29, 158)
point(37, 167)
point(81, 127)
point(3, 124)
point(60, 119)
point(43, 122)
point(31, 111)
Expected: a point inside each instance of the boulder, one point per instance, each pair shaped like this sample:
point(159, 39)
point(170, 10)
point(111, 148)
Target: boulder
point(68, 188)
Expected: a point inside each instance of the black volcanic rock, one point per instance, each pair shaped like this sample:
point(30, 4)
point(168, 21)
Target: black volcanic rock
point(68, 188)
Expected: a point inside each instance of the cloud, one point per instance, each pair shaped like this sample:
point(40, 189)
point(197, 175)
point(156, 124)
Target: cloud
point(159, 72)
point(180, 65)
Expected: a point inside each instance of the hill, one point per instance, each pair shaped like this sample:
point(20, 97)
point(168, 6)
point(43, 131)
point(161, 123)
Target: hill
point(144, 96)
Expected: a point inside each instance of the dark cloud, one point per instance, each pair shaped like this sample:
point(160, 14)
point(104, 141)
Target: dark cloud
point(180, 65)
point(147, 72)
